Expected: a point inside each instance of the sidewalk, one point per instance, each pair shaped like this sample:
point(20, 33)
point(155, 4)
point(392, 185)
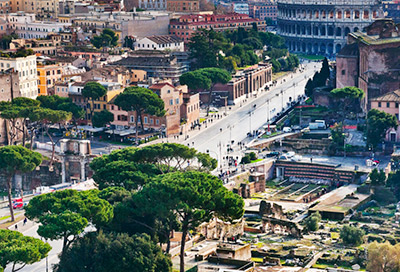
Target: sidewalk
point(233, 108)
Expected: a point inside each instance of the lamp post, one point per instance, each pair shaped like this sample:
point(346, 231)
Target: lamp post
point(250, 113)
point(230, 133)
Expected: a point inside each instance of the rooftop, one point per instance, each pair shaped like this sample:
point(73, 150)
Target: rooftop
point(389, 97)
point(164, 39)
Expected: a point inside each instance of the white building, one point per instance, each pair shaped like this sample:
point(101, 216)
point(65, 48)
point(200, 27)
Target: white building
point(242, 8)
point(27, 71)
point(161, 42)
point(25, 25)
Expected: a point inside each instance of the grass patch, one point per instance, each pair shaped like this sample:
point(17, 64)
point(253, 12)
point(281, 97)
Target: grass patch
point(310, 57)
point(265, 136)
point(256, 160)
point(275, 76)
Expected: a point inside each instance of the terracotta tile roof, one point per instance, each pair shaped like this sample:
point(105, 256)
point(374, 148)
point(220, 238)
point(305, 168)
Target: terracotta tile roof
point(389, 97)
point(158, 86)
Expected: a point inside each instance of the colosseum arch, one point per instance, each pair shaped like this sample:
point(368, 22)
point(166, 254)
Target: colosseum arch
point(316, 30)
point(315, 48)
point(338, 32)
point(322, 48)
point(330, 48)
point(303, 47)
point(330, 31)
point(346, 31)
point(322, 27)
point(355, 29)
point(357, 14)
point(309, 48)
point(338, 48)
point(322, 31)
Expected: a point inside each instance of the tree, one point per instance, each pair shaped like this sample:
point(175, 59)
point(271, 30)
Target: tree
point(48, 117)
point(55, 102)
point(351, 235)
point(325, 71)
point(347, 96)
point(377, 177)
point(13, 160)
point(102, 118)
point(103, 252)
point(93, 91)
point(17, 112)
point(197, 80)
point(65, 214)
point(17, 249)
point(194, 198)
point(107, 38)
point(312, 222)
point(140, 100)
point(393, 181)
point(205, 46)
point(383, 257)
point(131, 168)
point(6, 40)
point(378, 122)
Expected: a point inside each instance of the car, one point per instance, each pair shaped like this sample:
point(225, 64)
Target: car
point(273, 154)
point(287, 129)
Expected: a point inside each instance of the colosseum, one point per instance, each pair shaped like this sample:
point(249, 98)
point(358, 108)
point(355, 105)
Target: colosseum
point(321, 26)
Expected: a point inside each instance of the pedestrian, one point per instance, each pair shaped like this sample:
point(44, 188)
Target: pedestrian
point(25, 220)
point(16, 227)
point(311, 159)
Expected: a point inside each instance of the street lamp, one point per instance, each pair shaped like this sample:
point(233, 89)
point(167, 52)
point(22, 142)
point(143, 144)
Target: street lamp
point(250, 113)
point(230, 133)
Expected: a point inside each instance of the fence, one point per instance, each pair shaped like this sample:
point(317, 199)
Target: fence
point(47, 146)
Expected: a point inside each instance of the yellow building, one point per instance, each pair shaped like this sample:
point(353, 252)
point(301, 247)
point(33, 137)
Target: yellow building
point(113, 89)
point(48, 75)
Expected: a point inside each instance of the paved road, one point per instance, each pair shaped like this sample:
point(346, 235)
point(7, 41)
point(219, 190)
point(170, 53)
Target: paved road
point(31, 230)
point(239, 122)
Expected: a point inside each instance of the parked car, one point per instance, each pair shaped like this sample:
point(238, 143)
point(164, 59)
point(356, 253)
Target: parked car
point(272, 154)
point(287, 129)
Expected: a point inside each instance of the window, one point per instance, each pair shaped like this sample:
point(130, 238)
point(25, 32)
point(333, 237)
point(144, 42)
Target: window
point(151, 121)
point(145, 119)
point(387, 104)
point(379, 104)
point(157, 122)
point(343, 72)
point(171, 102)
point(132, 118)
point(397, 105)
point(177, 101)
